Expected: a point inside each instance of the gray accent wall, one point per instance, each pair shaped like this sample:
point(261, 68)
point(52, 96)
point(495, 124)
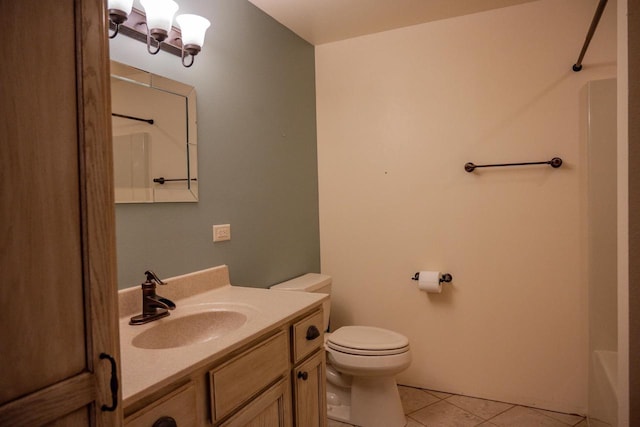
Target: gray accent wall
point(257, 163)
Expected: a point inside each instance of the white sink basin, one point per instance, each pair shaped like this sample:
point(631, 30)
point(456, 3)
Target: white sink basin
point(190, 328)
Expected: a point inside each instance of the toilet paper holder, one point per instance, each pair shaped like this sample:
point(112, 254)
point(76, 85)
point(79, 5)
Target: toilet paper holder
point(445, 278)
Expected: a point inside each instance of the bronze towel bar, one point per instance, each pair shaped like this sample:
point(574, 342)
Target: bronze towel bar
point(556, 162)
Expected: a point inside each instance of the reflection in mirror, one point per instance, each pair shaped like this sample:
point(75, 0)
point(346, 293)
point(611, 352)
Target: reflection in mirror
point(154, 137)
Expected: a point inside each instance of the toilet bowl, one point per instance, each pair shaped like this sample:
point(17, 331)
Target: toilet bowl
point(362, 362)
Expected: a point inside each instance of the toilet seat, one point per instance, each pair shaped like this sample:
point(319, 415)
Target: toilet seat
point(367, 341)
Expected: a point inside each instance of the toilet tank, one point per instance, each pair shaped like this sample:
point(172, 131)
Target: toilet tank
point(310, 282)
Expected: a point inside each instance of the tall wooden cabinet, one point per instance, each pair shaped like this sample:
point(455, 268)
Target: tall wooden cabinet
point(58, 301)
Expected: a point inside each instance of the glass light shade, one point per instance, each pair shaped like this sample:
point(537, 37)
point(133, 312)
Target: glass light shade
point(159, 13)
point(193, 28)
point(121, 5)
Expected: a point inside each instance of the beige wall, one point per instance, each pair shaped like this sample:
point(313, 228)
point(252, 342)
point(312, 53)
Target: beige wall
point(399, 113)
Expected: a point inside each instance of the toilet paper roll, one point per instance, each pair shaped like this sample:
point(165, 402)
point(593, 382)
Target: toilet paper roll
point(429, 281)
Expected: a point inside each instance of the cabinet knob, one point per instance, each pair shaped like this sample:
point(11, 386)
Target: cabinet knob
point(312, 333)
point(303, 375)
point(165, 422)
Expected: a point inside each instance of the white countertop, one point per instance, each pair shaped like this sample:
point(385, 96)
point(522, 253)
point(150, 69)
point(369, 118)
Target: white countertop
point(146, 370)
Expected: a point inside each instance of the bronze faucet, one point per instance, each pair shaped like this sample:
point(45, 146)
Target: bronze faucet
point(153, 306)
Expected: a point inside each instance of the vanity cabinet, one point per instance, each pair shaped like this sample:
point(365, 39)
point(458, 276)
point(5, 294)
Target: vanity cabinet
point(276, 380)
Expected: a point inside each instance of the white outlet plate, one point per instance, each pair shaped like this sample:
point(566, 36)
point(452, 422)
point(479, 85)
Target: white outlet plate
point(222, 232)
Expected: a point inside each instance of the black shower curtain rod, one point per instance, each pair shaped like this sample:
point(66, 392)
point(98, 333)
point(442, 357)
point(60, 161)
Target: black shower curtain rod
point(592, 29)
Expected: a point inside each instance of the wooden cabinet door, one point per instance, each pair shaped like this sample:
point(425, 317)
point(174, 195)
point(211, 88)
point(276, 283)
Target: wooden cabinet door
point(309, 392)
point(272, 408)
point(57, 241)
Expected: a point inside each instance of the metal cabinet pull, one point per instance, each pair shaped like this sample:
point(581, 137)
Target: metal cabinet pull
point(312, 333)
point(165, 422)
point(113, 383)
point(303, 375)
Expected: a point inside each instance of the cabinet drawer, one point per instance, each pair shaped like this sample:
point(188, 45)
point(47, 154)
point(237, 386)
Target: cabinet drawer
point(238, 380)
point(179, 405)
point(308, 335)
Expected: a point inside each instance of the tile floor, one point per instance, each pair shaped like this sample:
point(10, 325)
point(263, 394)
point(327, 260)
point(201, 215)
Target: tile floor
point(435, 409)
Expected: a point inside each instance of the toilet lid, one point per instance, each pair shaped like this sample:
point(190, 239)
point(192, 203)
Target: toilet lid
point(367, 341)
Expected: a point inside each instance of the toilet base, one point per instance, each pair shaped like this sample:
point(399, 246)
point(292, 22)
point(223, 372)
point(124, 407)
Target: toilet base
point(338, 399)
point(369, 402)
point(340, 413)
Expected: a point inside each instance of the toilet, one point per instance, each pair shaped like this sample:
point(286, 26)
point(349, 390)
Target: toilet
point(362, 362)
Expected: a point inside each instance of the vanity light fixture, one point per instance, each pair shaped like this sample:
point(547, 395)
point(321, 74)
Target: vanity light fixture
point(159, 18)
point(193, 29)
point(153, 26)
point(119, 11)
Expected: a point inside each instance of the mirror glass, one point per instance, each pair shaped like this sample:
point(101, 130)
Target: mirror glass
point(154, 137)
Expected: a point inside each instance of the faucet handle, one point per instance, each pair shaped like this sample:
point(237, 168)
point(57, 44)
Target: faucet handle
point(152, 277)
